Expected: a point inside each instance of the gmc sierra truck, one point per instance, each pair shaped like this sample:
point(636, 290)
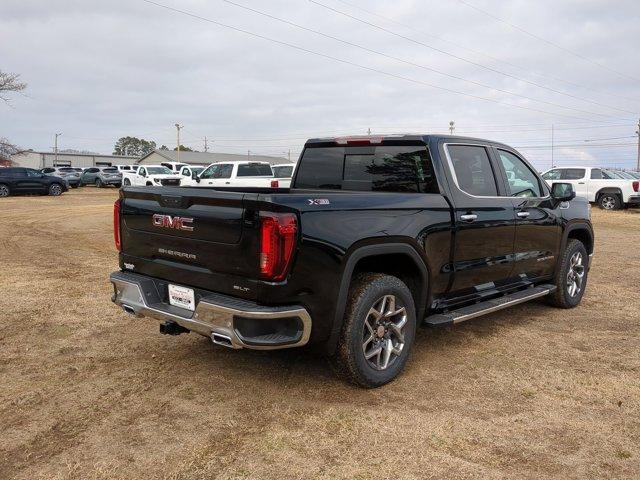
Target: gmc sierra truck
point(375, 236)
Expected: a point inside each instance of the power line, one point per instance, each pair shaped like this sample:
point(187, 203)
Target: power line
point(466, 60)
point(548, 42)
point(477, 52)
point(358, 65)
point(413, 64)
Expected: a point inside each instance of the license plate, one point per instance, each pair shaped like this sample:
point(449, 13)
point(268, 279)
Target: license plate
point(182, 297)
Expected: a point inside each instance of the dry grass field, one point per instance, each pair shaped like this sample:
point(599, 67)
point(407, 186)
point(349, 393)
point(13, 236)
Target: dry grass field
point(88, 392)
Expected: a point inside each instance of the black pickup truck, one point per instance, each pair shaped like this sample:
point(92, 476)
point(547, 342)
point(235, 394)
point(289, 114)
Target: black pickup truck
point(376, 235)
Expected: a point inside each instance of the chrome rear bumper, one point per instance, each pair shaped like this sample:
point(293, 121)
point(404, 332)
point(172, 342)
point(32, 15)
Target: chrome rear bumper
point(216, 316)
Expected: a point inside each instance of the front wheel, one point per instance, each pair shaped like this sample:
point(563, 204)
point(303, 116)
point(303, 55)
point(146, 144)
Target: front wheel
point(4, 191)
point(610, 201)
point(378, 332)
point(127, 182)
point(571, 279)
point(98, 183)
point(55, 190)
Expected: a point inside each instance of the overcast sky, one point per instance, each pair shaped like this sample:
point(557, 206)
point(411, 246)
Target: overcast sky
point(99, 70)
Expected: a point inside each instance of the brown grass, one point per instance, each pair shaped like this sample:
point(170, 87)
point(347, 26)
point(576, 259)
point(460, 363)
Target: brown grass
point(88, 392)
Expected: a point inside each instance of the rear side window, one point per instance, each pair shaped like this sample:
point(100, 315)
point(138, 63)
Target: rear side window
point(402, 168)
point(473, 170)
point(254, 170)
point(596, 174)
point(572, 173)
point(521, 181)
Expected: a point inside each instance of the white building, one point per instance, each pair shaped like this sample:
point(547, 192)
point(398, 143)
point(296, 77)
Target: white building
point(38, 160)
point(204, 158)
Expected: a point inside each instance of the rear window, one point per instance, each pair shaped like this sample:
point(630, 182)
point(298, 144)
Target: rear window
point(110, 170)
point(254, 170)
point(401, 168)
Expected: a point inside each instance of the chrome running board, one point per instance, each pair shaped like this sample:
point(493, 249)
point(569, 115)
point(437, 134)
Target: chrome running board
point(488, 306)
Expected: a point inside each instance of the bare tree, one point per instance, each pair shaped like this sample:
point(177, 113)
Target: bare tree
point(7, 149)
point(9, 82)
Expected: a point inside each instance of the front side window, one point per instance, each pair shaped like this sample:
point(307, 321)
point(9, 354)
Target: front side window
point(473, 170)
point(522, 182)
point(209, 171)
point(33, 173)
point(400, 168)
point(552, 175)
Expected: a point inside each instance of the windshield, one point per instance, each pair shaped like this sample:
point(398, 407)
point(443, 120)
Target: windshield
point(197, 170)
point(158, 171)
point(67, 169)
point(283, 172)
point(610, 174)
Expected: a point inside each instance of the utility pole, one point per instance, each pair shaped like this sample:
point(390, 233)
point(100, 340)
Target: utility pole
point(178, 128)
point(552, 144)
point(206, 148)
point(289, 154)
point(452, 127)
point(369, 131)
point(55, 148)
point(248, 155)
point(638, 161)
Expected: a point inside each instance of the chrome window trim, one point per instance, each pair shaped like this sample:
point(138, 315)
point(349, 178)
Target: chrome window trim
point(455, 178)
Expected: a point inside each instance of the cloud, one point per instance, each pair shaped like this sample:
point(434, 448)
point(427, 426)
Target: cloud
point(100, 70)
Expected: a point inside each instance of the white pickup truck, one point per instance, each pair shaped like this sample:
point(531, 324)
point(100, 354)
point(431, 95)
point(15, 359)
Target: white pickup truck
point(150, 175)
point(597, 185)
point(237, 174)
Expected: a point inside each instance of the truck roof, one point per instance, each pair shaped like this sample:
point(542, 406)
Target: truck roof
point(377, 139)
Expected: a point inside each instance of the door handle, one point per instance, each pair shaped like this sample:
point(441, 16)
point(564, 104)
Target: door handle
point(469, 217)
point(523, 214)
point(227, 183)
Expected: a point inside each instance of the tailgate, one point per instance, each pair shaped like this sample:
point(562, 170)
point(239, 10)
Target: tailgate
point(195, 237)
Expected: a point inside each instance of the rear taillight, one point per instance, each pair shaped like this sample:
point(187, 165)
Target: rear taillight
point(274, 184)
point(636, 186)
point(116, 225)
point(277, 242)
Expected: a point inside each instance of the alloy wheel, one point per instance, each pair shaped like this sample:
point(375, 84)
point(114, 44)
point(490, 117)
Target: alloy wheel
point(55, 190)
point(383, 336)
point(575, 275)
point(4, 191)
point(608, 202)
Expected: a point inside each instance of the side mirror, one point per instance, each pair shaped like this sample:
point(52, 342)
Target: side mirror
point(196, 178)
point(563, 192)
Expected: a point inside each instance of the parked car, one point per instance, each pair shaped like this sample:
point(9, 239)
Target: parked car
point(125, 168)
point(68, 173)
point(189, 173)
point(376, 236)
point(150, 175)
point(175, 167)
point(238, 174)
point(101, 177)
point(597, 185)
point(15, 180)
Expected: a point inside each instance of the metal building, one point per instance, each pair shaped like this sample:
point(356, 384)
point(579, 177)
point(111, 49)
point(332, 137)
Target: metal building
point(38, 160)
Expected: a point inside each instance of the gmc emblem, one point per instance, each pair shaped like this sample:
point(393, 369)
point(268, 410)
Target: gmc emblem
point(167, 221)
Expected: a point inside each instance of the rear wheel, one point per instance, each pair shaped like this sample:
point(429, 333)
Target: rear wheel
point(571, 279)
point(55, 189)
point(378, 332)
point(610, 201)
point(4, 190)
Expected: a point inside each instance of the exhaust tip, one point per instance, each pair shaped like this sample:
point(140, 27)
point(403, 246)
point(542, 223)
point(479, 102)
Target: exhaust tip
point(223, 340)
point(129, 310)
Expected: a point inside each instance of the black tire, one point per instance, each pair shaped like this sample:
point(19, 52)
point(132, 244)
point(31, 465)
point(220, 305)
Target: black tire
point(610, 201)
point(99, 183)
point(55, 190)
point(366, 293)
point(127, 182)
point(75, 186)
point(562, 297)
point(117, 185)
point(5, 191)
